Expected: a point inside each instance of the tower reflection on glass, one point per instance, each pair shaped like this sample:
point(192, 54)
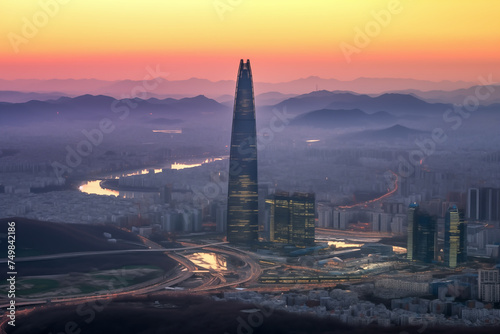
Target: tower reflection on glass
point(242, 205)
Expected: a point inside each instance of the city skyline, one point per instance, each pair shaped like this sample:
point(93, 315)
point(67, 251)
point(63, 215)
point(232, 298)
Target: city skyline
point(345, 180)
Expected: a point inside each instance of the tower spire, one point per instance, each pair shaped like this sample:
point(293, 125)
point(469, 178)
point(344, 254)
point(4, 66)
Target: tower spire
point(242, 204)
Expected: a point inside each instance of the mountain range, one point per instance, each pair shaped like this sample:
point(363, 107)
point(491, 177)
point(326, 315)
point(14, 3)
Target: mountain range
point(195, 86)
point(397, 104)
point(90, 107)
point(395, 133)
point(341, 118)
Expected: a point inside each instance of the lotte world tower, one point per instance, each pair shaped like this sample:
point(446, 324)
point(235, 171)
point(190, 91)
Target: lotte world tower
point(242, 205)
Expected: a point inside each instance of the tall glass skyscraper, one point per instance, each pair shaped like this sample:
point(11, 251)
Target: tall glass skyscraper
point(292, 218)
point(454, 238)
point(242, 203)
point(422, 235)
point(412, 225)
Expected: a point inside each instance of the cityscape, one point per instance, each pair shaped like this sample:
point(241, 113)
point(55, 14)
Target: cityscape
point(265, 199)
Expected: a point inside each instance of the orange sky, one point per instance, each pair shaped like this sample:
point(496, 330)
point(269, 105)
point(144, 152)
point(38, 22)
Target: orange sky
point(285, 39)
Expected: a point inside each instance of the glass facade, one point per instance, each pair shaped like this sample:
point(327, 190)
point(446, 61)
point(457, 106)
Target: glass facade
point(292, 218)
point(451, 237)
point(412, 213)
point(242, 205)
point(454, 238)
point(422, 235)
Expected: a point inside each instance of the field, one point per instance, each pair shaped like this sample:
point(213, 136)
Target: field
point(39, 238)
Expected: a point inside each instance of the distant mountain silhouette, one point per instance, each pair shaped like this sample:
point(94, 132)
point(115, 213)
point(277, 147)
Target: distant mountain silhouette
point(393, 133)
point(455, 96)
point(91, 107)
point(271, 98)
point(334, 118)
point(20, 97)
point(195, 86)
point(398, 104)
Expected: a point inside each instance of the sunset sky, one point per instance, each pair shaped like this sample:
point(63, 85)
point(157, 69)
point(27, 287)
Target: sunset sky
point(285, 39)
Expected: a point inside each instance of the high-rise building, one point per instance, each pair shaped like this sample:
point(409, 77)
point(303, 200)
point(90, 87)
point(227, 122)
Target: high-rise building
point(483, 204)
point(489, 204)
point(454, 238)
point(242, 204)
point(473, 204)
point(422, 235)
point(412, 222)
point(489, 285)
point(292, 218)
point(166, 194)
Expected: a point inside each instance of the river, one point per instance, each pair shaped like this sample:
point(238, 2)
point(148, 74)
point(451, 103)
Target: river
point(94, 187)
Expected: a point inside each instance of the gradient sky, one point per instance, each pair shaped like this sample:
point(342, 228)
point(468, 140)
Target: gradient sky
point(285, 39)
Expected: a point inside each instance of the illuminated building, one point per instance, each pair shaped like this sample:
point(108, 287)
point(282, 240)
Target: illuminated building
point(292, 218)
point(242, 204)
point(422, 235)
point(454, 238)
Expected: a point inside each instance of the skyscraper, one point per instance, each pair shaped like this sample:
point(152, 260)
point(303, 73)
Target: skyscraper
point(422, 235)
point(412, 222)
point(242, 203)
point(292, 218)
point(473, 204)
point(454, 240)
point(483, 204)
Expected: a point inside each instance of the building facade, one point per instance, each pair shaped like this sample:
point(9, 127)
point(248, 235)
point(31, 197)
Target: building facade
point(292, 218)
point(422, 235)
point(489, 285)
point(243, 198)
point(455, 251)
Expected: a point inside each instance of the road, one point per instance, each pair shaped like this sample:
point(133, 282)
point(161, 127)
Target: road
point(389, 193)
point(186, 269)
point(123, 251)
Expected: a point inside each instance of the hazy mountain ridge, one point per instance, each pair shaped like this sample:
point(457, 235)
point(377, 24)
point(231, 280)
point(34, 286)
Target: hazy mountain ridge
point(90, 107)
point(454, 96)
point(195, 86)
point(394, 133)
point(390, 102)
point(334, 118)
point(20, 97)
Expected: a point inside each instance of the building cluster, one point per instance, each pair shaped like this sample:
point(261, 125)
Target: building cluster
point(69, 207)
point(348, 307)
point(422, 237)
point(387, 221)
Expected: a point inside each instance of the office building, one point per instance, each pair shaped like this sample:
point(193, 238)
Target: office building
point(483, 204)
point(454, 238)
point(242, 204)
point(422, 235)
point(489, 285)
point(292, 218)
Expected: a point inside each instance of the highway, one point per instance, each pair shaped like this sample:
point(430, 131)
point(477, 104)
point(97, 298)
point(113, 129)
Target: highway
point(186, 269)
point(123, 251)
